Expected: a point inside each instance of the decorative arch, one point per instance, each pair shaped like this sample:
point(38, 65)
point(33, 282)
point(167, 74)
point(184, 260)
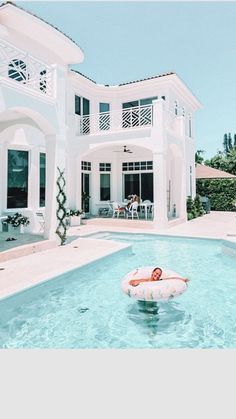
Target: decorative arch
point(20, 113)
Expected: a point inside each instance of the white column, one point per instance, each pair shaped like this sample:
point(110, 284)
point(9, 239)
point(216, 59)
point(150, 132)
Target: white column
point(159, 190)
point(183, 172)
point(159, 164)
point(3, 177)
point(78, 184)
point(115, 180)
point(55, 157)
point(33, 188)
point(94, 186)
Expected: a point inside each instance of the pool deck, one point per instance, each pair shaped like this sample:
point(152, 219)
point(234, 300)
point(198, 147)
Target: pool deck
point(27, 271)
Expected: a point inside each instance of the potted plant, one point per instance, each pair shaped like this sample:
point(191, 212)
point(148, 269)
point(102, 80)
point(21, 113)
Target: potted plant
point(75, 217)
point(18, 220)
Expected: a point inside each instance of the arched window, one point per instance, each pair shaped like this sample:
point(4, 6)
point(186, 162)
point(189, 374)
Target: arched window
point(17, 70)
point(176, 107)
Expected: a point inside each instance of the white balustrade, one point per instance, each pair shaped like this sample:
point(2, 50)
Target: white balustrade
point(22, 68)
point(129, 118)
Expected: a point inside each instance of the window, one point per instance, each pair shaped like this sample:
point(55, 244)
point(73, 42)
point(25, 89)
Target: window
point(148, 101)
point(82, 106)
point(17, 70)
point(42, 179)
point(17, 185)
point(77, 105)
point(43, 81)
point(105, 186)
point(85, 165)
point(105, 167)
point(85, 191)
point(86, 106)
point(104, 107)
point(183, 111)
point(104, 117)
point(143, 165)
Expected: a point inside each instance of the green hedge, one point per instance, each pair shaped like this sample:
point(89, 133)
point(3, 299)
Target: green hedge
point(221, 192)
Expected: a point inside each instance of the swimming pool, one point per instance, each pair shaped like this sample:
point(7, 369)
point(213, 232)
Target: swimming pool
point(86, 308)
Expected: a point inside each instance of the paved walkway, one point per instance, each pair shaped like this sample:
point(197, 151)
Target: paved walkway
point(217, 224)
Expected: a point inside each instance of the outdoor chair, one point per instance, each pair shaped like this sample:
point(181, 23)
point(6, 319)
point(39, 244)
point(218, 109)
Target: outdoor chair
point(117, 210)
point(133, 210)
point(149, 208)
point(41, 221)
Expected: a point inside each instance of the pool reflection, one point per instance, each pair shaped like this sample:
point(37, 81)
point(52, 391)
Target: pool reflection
point(157, 318)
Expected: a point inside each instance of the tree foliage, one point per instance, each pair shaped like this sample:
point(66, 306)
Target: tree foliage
point(221, 192)
point(225, 160)
point(199, 159)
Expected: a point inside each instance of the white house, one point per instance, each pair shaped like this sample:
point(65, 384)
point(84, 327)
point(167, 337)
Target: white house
point(112, 141)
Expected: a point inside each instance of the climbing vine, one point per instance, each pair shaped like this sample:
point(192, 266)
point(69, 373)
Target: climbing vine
point(61, 210)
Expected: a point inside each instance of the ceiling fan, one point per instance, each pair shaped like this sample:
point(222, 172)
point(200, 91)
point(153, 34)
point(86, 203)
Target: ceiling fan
point(126, 150)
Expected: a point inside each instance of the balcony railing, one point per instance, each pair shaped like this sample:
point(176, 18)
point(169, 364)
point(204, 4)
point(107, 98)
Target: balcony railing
point(22, 68)
point(129, 118)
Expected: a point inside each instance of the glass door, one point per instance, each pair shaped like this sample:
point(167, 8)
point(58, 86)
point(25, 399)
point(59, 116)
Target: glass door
point(85, 188)
point(140, 184)
point(147, 186)
point(131, 185)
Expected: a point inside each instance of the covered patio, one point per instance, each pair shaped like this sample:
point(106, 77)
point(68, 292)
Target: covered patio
point(108, 174)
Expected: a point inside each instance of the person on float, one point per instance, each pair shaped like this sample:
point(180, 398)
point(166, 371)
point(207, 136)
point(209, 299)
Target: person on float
point(155, 276)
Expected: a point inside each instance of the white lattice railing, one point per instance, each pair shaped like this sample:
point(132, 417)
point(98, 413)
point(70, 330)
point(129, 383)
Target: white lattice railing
point(114, 121)
point(21, 67)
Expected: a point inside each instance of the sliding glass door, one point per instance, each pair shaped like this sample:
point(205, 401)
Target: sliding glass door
point(140, 184)
point(131, 185)
point(146, 186)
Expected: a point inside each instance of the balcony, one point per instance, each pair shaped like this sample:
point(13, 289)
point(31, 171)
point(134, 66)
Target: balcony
point(22, 69)
point(107, 122)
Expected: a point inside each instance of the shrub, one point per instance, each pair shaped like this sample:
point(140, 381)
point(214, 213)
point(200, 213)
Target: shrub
point(190, 216)
point(17, 219)
point(198, 206)
point(221, 192)
point(72, 213)
point(191, 209)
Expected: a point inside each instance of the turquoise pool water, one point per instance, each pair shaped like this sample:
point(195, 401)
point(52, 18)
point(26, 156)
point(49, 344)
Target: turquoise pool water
point(87, 309)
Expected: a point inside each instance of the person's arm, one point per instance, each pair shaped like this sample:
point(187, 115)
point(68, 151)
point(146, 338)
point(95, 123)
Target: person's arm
point(135, 282)
point(176, 277)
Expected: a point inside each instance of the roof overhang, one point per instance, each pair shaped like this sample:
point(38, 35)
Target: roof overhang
point(29, 25)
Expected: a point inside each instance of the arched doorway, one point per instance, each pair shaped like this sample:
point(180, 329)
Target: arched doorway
point(26, 138)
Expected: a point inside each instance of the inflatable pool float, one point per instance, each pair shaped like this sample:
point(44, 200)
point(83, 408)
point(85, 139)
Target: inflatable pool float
point(162, 290)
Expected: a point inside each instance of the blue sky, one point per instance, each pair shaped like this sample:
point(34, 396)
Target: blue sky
point(125, 41)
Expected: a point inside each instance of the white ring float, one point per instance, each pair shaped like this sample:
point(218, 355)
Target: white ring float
point(153, 290)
